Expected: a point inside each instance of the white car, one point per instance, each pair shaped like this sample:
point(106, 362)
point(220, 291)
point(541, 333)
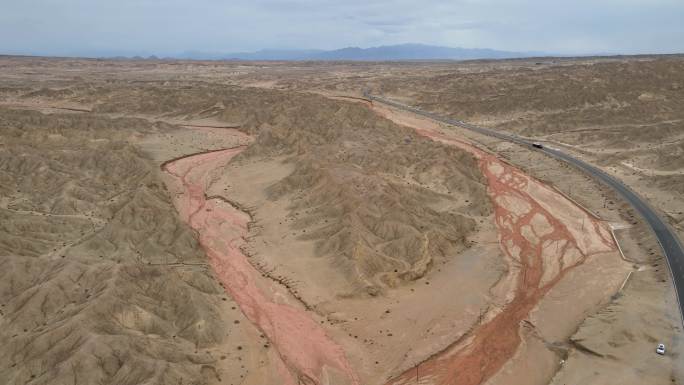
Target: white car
point(660, 349)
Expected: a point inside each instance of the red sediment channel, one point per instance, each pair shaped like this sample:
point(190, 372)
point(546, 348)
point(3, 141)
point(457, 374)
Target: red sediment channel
point(540, 243)
point(303, 348)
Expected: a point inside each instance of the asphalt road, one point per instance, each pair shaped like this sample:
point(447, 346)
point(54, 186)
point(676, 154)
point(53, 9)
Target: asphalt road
point(670, 244)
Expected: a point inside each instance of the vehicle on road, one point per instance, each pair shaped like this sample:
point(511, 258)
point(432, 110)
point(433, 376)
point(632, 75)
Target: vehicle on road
point(660, 349)
point(537, 145)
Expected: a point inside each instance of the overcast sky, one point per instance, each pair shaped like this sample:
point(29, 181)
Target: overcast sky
point(165, 27)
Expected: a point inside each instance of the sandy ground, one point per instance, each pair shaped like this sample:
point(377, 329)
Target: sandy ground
point(423, 316)
point(319, 242)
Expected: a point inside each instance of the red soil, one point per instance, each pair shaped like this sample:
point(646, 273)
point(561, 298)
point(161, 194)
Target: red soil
point(531, 218)
point(304, 350)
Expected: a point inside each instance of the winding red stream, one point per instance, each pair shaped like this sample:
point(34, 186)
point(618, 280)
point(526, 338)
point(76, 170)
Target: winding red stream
point(543, 235)
point(305, 353)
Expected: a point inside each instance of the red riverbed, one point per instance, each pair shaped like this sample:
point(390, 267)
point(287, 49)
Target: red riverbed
point(543, 235)
point(305, 353)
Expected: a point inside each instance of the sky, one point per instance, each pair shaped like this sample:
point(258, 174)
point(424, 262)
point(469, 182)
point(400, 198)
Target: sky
point(170, 27)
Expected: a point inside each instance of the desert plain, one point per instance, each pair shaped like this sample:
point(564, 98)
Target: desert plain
point(225, 222)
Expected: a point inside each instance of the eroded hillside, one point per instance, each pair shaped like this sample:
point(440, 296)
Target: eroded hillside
point(384, 202)
point(376, 207)
point(262, 223)
point(100, 281)
point(626, 115)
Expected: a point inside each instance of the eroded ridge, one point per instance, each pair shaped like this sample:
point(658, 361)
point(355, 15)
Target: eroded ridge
point(543, 236)
point(305, 353)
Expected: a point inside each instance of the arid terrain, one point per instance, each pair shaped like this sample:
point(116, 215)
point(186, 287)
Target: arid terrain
point(187, 222)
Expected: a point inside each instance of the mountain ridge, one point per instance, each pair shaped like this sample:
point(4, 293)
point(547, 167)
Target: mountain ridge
point(399, 52)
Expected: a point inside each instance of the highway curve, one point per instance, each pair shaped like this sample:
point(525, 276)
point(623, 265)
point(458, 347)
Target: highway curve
point(669, 243)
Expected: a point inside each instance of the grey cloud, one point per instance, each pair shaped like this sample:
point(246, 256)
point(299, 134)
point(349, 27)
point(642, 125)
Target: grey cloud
point(172, 26)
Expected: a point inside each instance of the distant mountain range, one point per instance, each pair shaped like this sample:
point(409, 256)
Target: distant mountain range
point(388, 52)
